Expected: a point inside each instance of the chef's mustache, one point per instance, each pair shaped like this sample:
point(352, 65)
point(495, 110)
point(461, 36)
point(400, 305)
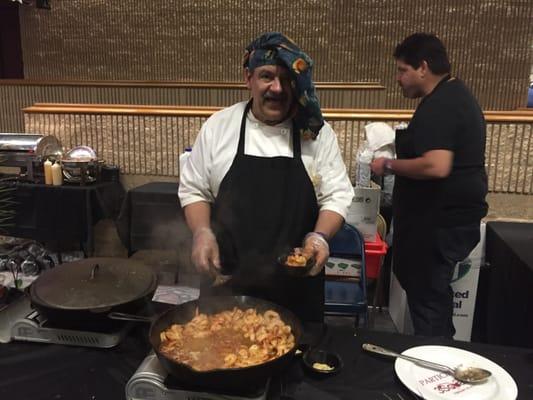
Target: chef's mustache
point(276, 97)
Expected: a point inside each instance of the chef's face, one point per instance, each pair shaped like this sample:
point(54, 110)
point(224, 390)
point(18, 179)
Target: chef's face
point(271, 92)
point(411, 80)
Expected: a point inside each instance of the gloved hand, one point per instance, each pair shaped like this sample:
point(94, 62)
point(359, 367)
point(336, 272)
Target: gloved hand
point(315, 244)
point(205, 250)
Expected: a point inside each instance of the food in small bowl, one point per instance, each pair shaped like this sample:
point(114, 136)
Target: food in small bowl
point(322, 362)
point(297, 262)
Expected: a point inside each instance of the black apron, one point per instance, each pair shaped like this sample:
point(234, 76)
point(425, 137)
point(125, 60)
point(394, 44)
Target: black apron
point(416, 215)
point(264, 207)
point(415, 210)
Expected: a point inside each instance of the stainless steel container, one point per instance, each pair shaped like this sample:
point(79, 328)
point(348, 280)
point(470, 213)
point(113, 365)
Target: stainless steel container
point(27, 151)
point(81, 165)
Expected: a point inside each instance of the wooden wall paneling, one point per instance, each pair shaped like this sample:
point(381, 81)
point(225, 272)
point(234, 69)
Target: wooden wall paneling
point(488, 41)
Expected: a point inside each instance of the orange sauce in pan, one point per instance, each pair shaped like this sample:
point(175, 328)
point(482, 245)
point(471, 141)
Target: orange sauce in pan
point(230, 339)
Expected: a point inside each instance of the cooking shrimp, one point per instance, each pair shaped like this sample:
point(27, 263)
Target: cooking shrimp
point(229, 339)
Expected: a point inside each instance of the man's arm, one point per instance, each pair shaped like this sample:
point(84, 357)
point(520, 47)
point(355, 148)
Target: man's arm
point(334, 195)
point(328, 223)
point(198, 215)
point(434, 164)
point(195, 195)
point(205, 250)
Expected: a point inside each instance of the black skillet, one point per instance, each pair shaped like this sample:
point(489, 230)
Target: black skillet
point(221, 379)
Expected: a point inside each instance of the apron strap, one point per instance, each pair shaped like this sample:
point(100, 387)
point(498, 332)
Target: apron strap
point(240, 148)
point(296, 148)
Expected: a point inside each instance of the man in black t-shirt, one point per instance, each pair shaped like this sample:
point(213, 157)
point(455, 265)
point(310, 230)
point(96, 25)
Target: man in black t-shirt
point(441, 184)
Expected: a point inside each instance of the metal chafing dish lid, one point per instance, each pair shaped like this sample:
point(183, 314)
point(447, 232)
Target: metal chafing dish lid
point(80, 153)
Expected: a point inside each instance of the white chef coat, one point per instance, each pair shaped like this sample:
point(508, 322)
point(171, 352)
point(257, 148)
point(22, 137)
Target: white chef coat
point(216, 147)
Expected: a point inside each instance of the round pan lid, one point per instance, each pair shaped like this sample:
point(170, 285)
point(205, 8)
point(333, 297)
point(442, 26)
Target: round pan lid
point(93, 283)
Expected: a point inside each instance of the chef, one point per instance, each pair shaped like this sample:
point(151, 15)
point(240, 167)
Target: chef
point(265, 176)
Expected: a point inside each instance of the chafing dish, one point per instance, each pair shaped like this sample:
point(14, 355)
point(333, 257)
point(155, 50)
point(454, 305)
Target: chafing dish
point(81, 165)
point(27, 151)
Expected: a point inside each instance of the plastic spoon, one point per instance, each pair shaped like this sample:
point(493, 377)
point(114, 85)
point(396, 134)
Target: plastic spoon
point(463, 373)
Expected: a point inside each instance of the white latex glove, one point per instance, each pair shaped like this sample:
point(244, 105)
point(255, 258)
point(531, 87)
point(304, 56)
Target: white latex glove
point(315, 244)
point(205, 250)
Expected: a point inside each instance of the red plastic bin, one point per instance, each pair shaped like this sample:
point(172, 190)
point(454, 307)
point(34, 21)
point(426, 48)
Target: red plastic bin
point(374, 252)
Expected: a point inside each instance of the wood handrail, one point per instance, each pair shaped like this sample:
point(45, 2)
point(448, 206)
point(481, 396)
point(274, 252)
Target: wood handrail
point(216, 108)
point(186, 111)
point(184, 84)
point(126, 106)
point(195, 111)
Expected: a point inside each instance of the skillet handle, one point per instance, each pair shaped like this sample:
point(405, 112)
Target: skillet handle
point(129, 317)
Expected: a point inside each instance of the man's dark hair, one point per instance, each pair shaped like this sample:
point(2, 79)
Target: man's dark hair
point(424, 47)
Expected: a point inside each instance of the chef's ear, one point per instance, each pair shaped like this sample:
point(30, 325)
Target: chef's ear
point(247, 76)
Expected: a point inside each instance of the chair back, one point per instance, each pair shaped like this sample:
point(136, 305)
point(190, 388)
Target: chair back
point(381, 226)
point(349, 243)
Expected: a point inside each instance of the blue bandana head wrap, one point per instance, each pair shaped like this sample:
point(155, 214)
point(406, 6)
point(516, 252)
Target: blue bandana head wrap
point(273, 48)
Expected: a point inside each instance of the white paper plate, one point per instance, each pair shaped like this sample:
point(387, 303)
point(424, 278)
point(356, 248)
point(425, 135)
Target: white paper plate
point(434, 385)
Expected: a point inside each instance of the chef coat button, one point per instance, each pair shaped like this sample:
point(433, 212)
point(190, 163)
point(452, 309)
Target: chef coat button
point(284, 131)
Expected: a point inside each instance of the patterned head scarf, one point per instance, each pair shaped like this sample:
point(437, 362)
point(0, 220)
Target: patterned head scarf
point(273, 48)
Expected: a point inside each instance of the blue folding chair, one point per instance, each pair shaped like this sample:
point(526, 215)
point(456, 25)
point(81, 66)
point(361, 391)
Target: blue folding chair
point(348, 297)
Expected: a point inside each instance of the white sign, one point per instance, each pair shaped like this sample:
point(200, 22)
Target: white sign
point(464, 285)
point(364, 210)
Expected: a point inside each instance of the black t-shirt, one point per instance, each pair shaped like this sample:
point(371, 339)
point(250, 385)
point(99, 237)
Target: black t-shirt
point(449, 118)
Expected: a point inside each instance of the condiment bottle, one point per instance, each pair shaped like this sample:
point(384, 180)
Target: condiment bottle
point(363, 172)
point(48, 172)
point(57, 174)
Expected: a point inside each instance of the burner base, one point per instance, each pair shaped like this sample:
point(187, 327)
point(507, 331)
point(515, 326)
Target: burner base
point(18, 321)
point(151, 381)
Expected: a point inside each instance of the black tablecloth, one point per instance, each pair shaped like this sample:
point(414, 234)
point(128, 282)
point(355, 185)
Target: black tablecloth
point(40, 371)
point(504, 304)
point(151, 218)
point(63, 213)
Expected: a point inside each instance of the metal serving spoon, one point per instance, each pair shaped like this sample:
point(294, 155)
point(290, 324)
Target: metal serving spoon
point(462, 373)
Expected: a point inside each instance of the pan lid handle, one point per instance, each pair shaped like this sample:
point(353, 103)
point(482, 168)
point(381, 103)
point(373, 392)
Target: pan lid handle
point(94, 270)
point(129, 317)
